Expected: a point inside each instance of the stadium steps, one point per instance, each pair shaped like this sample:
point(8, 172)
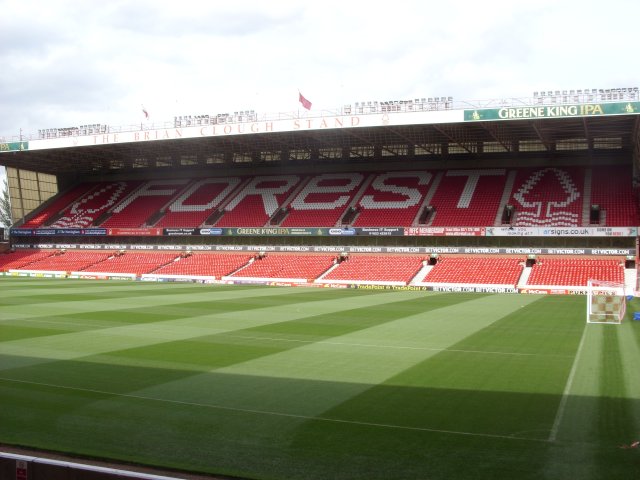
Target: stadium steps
point(421, 274)
point(329, 270)
point(283, 212)
point(506, 195)
point(214, 217)
point(350, 216)
point(154, 218)
point(630, 279)
point(279, 216)
point(354, 201)
point(586, 206)
point(93, 264)
point(177, 258)
point(524, 277)
point(427, 199)
point(101, 219)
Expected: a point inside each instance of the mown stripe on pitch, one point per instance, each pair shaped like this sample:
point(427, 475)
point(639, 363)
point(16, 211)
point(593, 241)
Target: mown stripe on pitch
point(187, 358)
point(79, 344)
point(61, 287)
point(466, 391)
point(165, 296)
point(56, 324)
point(309, 368)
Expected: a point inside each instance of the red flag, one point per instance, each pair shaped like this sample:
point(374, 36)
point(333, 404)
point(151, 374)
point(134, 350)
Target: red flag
point(305, 103)
point(146, 114)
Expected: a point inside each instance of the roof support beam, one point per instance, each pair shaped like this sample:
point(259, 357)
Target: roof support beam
point(545, 141)
point(451, 138)
point(496, 131)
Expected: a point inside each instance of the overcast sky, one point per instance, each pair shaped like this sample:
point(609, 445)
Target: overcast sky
point(68, 63)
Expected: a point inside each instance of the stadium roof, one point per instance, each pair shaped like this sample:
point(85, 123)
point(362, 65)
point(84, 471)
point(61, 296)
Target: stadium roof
point(404, 131)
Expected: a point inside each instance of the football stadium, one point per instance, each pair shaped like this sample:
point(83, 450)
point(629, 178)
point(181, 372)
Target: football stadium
point(416, 288)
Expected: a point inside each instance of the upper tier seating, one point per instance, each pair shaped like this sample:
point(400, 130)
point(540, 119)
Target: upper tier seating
point(197, 202)
point(323, 200)
point(141, 204)
point(292, 266)
point(382, 268)
point(468, 198)
point(540, 197)
point(574, 271)
point(206, 264)
point(612, 191)
point(57, 205)
point(548, 197)
point(393, 199)
point(260, 198)
point(474, 270)
point(89, 207)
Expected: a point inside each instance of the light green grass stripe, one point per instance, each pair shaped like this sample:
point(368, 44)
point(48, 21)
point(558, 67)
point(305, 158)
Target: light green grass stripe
point(85, 343)
point(355, 361)
point(585, 383)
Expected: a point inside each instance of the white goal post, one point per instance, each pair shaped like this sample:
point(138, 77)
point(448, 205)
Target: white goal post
point(606, 302)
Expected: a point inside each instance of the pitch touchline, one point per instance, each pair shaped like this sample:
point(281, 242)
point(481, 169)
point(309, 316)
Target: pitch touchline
point(276, 414)
point(373, 345)
point(567, 388)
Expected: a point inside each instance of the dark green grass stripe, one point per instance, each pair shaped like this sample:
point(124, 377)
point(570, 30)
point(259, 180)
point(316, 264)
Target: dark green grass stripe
point(615, 421)
point(551, 325)
point(216, 438)
point(10, 332)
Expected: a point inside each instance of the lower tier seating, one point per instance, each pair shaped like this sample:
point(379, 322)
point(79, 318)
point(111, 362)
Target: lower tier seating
point(22, 258)
point(470, 270)
point(276, 265)
point(576, 272)
point(205, 264)
point(371, 268)
point(133, 262)
point(70, 261)
point(326, 268)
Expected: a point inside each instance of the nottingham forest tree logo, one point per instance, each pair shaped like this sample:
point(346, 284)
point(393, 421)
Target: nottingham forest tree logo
point(548, 197)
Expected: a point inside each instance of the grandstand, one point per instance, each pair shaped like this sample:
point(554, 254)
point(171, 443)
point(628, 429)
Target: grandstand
point(481, 183)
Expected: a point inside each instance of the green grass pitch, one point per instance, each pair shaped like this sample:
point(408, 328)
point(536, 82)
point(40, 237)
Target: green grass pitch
point(303, 383)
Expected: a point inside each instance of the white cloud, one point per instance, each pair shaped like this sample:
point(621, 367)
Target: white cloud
point(69, 63)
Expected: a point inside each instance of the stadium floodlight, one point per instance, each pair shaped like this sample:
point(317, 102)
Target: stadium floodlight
point(606, 302)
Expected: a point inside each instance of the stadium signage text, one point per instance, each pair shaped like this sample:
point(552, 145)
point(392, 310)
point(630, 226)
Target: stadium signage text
point(553, 111)
point(345, 249)
point(322, 231)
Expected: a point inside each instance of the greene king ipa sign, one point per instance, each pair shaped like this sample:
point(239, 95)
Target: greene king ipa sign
point(552, 111)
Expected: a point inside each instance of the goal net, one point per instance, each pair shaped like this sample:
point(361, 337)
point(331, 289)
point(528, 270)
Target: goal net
point(606, 302)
